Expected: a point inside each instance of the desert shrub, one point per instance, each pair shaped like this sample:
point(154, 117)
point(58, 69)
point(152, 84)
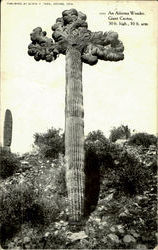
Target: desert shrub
point(96, 147)
point(50, 144)
point(129, 170)
point(60, 181)
point(143, 139)
point(127, 173)
point(52, 177)
point(9, 163)
point(21, 203)
point(122, 132)
point(133, 176)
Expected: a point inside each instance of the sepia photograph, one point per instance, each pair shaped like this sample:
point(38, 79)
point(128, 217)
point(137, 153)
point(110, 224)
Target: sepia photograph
point(78, 124)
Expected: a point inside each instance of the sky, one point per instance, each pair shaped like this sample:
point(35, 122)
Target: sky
point(114, 93)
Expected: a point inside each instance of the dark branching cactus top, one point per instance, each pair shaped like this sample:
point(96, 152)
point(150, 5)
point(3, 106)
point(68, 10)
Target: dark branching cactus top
point(72, 30)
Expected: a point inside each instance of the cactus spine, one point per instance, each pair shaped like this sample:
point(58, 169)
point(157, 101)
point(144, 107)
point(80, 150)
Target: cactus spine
point(7, 135)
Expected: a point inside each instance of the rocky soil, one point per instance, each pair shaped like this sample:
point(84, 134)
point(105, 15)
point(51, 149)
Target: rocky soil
point(119, 221)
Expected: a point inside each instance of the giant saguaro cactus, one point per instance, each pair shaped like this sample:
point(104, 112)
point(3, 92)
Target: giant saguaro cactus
point(72, 38)
point(7, 133)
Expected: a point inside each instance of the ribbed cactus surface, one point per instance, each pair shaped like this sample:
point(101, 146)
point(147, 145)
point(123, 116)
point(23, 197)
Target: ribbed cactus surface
point(71, 37)
point(74, 135)
point(7, 134)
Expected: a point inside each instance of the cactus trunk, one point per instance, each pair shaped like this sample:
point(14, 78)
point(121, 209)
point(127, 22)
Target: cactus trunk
point(7, 135)
point(74, 135)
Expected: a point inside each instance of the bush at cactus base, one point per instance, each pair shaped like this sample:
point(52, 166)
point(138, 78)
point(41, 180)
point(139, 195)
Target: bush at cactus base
point(9, 163)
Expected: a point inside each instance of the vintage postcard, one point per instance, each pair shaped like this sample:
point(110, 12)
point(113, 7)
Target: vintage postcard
point(78, 108)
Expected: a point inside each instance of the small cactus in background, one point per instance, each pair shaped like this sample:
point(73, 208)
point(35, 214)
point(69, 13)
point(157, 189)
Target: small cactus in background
point(7, 134)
